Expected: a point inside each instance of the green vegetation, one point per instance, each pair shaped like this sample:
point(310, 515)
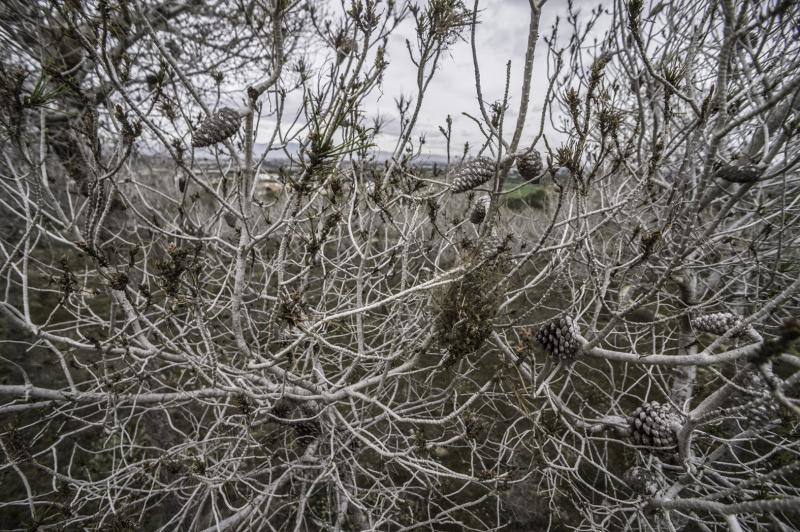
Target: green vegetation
point(526, 196)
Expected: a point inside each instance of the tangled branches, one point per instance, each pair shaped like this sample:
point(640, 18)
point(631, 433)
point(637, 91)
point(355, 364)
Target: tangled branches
point(196, 338)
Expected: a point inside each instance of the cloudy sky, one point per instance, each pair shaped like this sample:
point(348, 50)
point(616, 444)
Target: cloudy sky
point(501, 37)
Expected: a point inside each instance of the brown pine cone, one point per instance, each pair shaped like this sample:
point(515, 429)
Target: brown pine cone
point(16, 446)
point(478, 212)
point(651, 425)
point(739, 174)
point(307, 429)
point(558, 337)
point(641, 480)
point(530, 166)
point(718, 323)
point(492, 246)
point(300, 416)
point(756, 403)
point(221, 125)
point(472, 174)
point(230, 219)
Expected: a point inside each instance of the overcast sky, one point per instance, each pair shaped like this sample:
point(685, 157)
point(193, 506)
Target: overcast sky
point(501, 36)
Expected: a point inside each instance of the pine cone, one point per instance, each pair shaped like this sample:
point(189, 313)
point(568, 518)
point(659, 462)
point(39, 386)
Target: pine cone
point(651, 425)
point(299, 416)
point(282, 409)
point(757, 405)
point(307, 429)
point(530, 166)
point(718, 323)
point(558, 337)
point(641, 480)
point(492, 246)
point(16, 446)
point(118, 281)
point(739, 174)
point(652, 242)
point(472, 174)
point(216, 128)
point(479, 209)
point(230, 219)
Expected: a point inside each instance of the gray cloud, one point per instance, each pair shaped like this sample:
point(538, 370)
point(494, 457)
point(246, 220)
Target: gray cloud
point(501, 37)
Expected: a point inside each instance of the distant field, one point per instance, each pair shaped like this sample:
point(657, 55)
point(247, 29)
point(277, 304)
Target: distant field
point(527, 195)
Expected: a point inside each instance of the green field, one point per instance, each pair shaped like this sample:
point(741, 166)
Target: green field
point(526, 196)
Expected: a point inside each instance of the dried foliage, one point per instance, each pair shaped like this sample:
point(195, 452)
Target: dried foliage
point(235, 299)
